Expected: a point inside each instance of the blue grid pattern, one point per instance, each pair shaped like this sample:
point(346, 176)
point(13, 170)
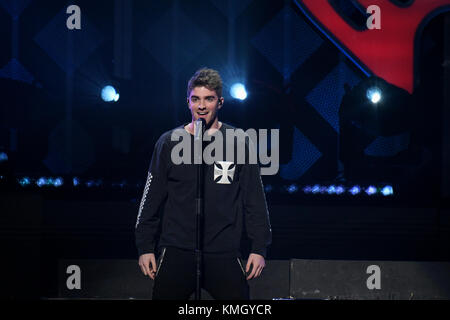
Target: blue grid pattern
point(327, 95)
point(286, 41)
point(54, 39)
point(174, 55)
point(231, 7)
point(14, 7)
point(388, 146)
point(14, 70)
point(304, 155)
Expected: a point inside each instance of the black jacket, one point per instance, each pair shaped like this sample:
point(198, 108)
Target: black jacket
point(170, 193)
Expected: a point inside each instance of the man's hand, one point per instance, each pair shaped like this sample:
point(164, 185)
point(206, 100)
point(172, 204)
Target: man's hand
point(147, 262)
point(257, 262)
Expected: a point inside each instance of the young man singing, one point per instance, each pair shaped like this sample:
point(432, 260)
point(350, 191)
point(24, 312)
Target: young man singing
point(233, 197)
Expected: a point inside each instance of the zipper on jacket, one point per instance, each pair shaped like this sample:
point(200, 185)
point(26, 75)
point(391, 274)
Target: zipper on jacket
point(160, 261)
point(242, 267)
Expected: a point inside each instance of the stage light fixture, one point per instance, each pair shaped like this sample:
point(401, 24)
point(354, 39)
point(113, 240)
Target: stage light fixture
point(355, 190)
point(109, 94)
point(331, 189)
point(340, 190)
point(58, 182)
point(371, 190)
point(25, 181)
point(315, 189)
point(374, 95)
point(292, 188)
point(41, 182)
point(238, 91)
point(387, 191)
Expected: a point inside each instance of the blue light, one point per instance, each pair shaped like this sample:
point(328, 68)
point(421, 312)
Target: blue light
point(315, 189)
point(41, 182)
point(374, 95)
point(371, 190)
point(307, 189)
point(331, 189)
point(238, 91)
point(3, 157)
point(58, 182)
point(76, 181)
point(355, 190)
point(268, 188)
point(292, 188)
point(340, 190)
point(387, 191)
point(25, 181)
point(90, 183)
point(109, 94)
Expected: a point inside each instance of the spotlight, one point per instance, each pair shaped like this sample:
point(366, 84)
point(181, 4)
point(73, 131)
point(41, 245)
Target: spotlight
point(268, 188)
point(371, 190)
point(355, 190)
point(292, 188)
point(387, 191)
point(76, 181)
point(307, 189)
point(58, 182)
point(331, 189)
point(315, 189)
point(340, 190)
point(25, 181)
point(109, 94)
point(238, 91)
point(374, 94)
point(41, 182)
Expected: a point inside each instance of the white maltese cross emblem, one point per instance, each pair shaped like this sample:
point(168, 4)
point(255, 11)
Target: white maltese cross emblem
point(222, 169)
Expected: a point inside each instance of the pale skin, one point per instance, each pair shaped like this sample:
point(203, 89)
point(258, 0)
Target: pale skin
point(204, 103)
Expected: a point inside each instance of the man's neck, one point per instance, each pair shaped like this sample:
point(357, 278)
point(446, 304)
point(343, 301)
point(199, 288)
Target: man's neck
point(190, 127)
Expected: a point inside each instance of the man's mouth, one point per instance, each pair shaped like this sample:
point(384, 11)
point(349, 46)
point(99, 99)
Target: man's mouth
point(202, 113)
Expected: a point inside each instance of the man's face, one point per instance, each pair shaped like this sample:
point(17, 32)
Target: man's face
point(204, 103)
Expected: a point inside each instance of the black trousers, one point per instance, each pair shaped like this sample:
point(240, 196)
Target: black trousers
point(223, 277)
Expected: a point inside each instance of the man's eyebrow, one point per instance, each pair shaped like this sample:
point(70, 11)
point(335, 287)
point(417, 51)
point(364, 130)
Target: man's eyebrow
point(205, 97)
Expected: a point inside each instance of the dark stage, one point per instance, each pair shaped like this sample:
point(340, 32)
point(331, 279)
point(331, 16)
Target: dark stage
point(359, 205)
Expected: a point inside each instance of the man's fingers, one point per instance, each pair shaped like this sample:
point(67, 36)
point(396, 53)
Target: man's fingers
point(148, 266)
point(142, 269)
point(149, 272)
point(247, 267)
point(259, 271)
point(252, 274)
point(153, 263)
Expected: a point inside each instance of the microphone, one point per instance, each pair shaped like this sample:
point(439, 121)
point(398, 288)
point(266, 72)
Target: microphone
point(200, 127)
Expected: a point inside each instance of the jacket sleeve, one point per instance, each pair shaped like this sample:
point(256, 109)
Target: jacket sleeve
point(255, 209)
point(154, 195)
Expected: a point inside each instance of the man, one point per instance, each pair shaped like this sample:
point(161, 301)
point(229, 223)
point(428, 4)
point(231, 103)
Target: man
point(230, 202)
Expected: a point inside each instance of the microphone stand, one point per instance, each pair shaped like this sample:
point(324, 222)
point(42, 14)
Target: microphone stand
point(199, 203)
